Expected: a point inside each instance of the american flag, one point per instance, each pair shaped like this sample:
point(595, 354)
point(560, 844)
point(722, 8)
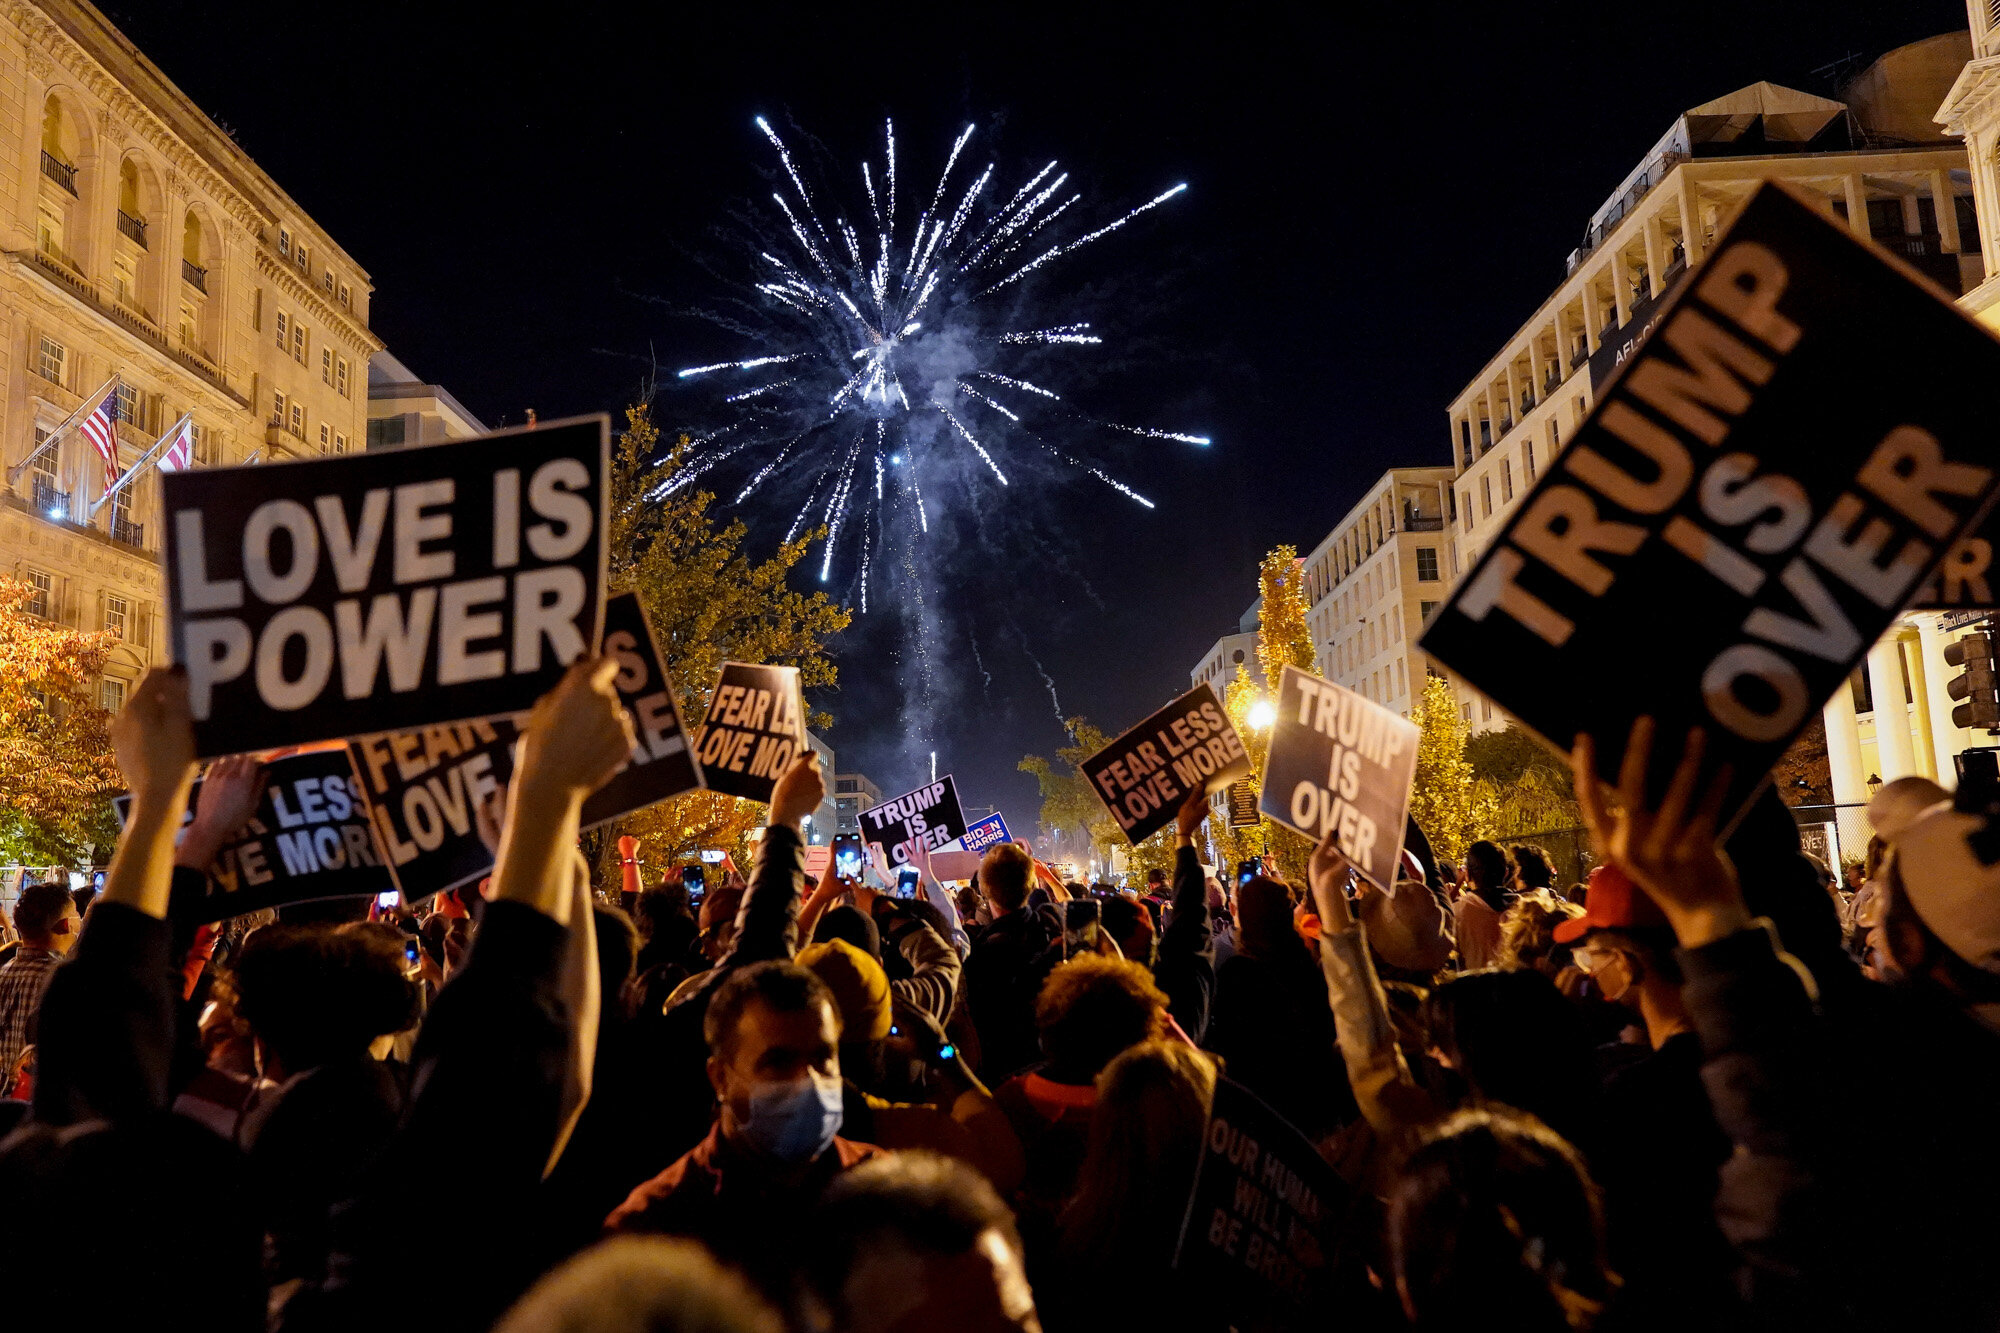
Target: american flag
point(101, 429)
point(177, 449)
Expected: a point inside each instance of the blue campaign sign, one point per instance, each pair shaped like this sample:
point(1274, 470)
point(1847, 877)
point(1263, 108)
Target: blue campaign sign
point(985, 833)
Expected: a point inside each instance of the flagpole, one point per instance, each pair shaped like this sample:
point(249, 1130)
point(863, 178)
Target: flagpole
point(133, 471)
point(55, 436)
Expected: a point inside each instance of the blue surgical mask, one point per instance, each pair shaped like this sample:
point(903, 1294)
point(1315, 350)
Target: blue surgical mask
point(794, 1121)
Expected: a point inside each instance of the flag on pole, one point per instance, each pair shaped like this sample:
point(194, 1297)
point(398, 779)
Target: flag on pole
point(176, 447)
point(101, 429)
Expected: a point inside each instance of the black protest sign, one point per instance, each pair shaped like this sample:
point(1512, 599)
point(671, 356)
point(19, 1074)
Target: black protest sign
point(662, 763)
point(930, 815)
point(1756, 495)
point(1341, 763)
point(424, 790)
point(1263, 1212)
point(1145, 775)
point(436, 584)
point(755, 725)
point(1966, 578)
point(1243, 806)
point(310, 839)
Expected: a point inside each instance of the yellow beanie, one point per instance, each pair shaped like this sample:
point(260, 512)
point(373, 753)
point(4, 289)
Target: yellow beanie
point(860, 987)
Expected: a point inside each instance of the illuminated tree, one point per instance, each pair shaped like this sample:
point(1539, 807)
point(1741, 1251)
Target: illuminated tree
point(56, 767)
point(1526, 788)
point(1444, 799)
point(1070, 809)
point(1283, 638)
point(708, 604)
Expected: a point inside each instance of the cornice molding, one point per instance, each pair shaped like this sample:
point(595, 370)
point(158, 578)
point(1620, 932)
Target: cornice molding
point(59, 49)
point(1972, 94)
point(301, 292)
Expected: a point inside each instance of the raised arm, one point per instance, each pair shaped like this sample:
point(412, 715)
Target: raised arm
point(1186, 966)
point(767, 925)
point(1390, 1099)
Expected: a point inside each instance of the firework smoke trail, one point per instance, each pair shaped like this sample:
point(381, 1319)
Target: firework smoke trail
point(892, 325)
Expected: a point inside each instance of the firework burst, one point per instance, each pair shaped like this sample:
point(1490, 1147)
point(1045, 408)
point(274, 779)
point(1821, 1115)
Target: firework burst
point(884, 345)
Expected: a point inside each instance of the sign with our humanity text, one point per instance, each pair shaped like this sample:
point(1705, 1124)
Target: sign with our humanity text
point(1341, 763)
point(403, 587)
point(756, 723)
point(930, 814)
point(309, 839)
point(1760, 490)
point(1145, 775)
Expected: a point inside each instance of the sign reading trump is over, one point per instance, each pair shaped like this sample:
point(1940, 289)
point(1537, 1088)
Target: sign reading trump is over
point(384, 591)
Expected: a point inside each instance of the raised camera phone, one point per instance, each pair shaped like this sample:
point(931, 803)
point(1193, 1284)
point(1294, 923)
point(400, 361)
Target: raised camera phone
point(389, 900)
point(907, 880)
point(1082, 918)
point(696, 880)
point(1248, 870)
point(847, 855)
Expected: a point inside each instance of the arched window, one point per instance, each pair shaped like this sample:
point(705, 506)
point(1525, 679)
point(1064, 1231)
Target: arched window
point(59, 210)
point(200, 275)
point(135, 258)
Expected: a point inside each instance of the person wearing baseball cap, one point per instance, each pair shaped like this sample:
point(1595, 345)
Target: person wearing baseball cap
point(1935, 925)
point(1661, 1150)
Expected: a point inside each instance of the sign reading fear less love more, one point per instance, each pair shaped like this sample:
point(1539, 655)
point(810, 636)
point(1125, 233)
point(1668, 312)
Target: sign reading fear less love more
point(1145, 775)
point(385, 591)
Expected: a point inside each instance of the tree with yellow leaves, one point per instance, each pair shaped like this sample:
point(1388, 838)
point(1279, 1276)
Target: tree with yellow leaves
point(708, 604)
point(56, 767)
point(1283, 638)
point(1070, 809)
point(1444, 799)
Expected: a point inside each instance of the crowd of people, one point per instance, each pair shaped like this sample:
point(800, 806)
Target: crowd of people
point(1715, 1085)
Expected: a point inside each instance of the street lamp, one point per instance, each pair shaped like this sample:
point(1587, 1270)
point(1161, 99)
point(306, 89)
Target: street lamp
point(1874, 784)
point(1263, 714)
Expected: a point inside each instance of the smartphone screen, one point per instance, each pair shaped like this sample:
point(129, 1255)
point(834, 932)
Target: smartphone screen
point(1080, 925)
point(847, 858)
point(385, 901)
point(1248, 870)
point(696, 879)
point(906, 882)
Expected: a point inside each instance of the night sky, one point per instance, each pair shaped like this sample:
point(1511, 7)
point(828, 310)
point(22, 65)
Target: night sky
point(1370, 213)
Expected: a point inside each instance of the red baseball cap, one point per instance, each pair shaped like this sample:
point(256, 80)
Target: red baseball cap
point(1612, 902)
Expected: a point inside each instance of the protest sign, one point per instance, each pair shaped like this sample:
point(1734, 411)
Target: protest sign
point(1262, 1214)
point(1145, 775)
point(662, 764)
point(1755, 496)
point(438, 584)
point(956, 866)
point(818, 857)
point(984, 833)
point(930, 814)
point(424, 789)
point(1965, 579)
point(1341, 763)
point(755, 725)
point(309, 840)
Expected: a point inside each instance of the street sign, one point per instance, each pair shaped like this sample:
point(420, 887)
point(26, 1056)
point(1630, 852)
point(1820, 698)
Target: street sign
point(1758, 492)
point(1243, 805)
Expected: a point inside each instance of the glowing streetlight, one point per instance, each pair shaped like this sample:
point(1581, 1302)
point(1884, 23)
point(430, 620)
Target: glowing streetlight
point(1263, 714)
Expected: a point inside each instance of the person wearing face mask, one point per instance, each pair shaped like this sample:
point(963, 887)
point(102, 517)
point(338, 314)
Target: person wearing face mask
point(1659, 1150)
point(773, 1034)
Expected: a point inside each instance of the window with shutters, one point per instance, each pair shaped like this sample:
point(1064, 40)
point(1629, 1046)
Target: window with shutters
point(340, 444)
point(326, 365)
point(299, 341)
point(340, 375)
point(278, 408)
point(284, 242)
point(127, 408)
point(325, 437)
point(44, 470)
point(299, 420)
point(284, 331)
point(116, 612)
point(346, 297)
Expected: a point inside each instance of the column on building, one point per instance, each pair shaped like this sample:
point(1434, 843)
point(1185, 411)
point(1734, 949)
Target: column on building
point(1593, 319)
point(1895, 754)
point(1843, 747)
point(1691, 237)
point(1944, 206)
point(1621, 289)
point(1947, 741)
point(1649, 231)
point(1857, 211)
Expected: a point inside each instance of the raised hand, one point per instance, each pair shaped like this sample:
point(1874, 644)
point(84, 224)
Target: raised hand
point(153, 736)
point(1670, 850)
point(230, 793)
point(1192, 812)
point(798, 792)
point(578, 734)
point(1327, 874)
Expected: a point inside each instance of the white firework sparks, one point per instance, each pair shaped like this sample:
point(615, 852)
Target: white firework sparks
point(886, 323)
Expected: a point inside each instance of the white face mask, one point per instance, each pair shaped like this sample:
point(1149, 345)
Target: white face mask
point(795, 1120)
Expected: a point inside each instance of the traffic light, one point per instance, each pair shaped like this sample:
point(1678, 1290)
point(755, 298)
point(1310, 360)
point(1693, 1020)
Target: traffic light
point(1978, 685)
